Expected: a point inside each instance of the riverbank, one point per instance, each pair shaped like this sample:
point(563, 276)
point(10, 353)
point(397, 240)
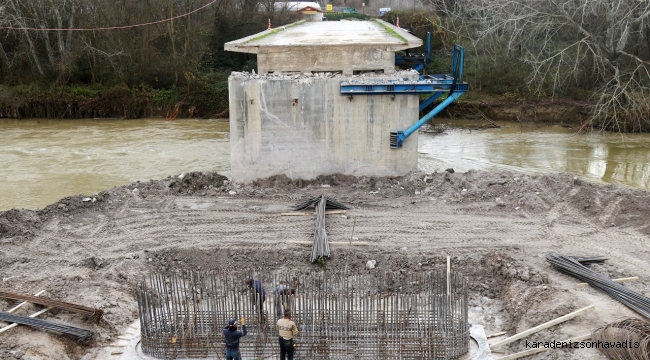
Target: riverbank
point(209, 99)
point(542, 111)
point(206, 99)
point(496, 226)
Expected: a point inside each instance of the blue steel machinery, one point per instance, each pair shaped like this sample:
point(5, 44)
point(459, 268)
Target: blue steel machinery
point(435, 85)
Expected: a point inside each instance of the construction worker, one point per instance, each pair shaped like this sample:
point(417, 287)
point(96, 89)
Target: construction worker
point(286, 330)
point(283, 297)
point(258, 297)
point(232, 336)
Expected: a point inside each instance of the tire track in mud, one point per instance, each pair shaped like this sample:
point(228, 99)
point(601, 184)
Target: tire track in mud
point(610, 211)
point(213, 222)
point(207, 223)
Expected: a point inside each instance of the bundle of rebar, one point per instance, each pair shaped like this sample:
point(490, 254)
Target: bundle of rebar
point(629, 298)
point(321, 247)
point(626, 339)
point(80, 333)
point(588, 260)
point(330, 203)
point(94, 313)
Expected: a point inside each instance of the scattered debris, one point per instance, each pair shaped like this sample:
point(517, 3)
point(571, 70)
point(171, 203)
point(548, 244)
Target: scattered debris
point(371, 264)
point(631, 299)
point(80, 333)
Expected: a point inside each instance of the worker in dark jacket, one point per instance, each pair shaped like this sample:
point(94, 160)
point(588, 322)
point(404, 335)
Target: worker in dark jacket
point(232, 336)
point(258, 297)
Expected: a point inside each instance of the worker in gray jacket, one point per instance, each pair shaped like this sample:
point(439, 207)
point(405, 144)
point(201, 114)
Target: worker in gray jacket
point(283, 298)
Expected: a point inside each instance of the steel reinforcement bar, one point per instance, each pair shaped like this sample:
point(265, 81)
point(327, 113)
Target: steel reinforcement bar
point(364, 316)
point(95, 313)
point(80, 333)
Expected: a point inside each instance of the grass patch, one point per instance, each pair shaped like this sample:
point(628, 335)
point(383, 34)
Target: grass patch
point(392, 32)
point(335, 16)
point(275, 31)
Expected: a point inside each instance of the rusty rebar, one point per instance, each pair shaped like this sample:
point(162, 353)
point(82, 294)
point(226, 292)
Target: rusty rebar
point(368, 316)
point(625, 339)
point(94, 313)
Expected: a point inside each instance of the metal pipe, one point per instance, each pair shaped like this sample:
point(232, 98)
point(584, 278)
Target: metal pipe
point(432, 113)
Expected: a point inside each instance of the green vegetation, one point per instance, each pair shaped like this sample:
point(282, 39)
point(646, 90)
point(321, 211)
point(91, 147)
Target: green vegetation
point(334, 16)
point(392, 32)
point(181, 65)
point(85, 101)
point(321, 262)
point(275, 31)
point(172, 67)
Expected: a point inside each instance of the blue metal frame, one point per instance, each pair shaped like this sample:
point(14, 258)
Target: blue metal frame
point(456, 89)
point(423, 86)
point(436, 85)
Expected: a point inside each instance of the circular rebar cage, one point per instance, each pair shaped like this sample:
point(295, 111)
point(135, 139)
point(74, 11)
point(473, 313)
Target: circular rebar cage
point(367, 316)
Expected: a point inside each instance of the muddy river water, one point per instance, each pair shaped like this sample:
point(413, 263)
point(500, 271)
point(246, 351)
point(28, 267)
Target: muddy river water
point(42, 161)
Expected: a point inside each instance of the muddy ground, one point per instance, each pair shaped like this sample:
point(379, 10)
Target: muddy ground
point(496, 226)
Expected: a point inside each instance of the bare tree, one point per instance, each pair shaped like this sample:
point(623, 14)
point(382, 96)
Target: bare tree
point(597, 44)
point(142, 54)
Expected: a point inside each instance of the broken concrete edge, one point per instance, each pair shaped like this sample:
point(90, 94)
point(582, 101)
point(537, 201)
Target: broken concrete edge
point(396, 77)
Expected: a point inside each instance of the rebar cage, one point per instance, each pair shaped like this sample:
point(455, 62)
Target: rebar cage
point(366, 316)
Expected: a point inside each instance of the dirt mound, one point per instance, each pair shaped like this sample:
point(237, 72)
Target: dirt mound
point(18, 223)
point(193, 182)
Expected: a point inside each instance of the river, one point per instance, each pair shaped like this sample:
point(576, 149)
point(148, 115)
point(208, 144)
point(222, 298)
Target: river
point(43, 161)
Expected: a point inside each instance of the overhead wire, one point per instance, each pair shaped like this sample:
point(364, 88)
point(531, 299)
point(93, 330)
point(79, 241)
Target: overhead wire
point(111, 27)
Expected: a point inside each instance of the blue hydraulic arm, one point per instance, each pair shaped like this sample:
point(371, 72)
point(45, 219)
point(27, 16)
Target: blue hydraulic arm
point(456, 88)
point(397, 137)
